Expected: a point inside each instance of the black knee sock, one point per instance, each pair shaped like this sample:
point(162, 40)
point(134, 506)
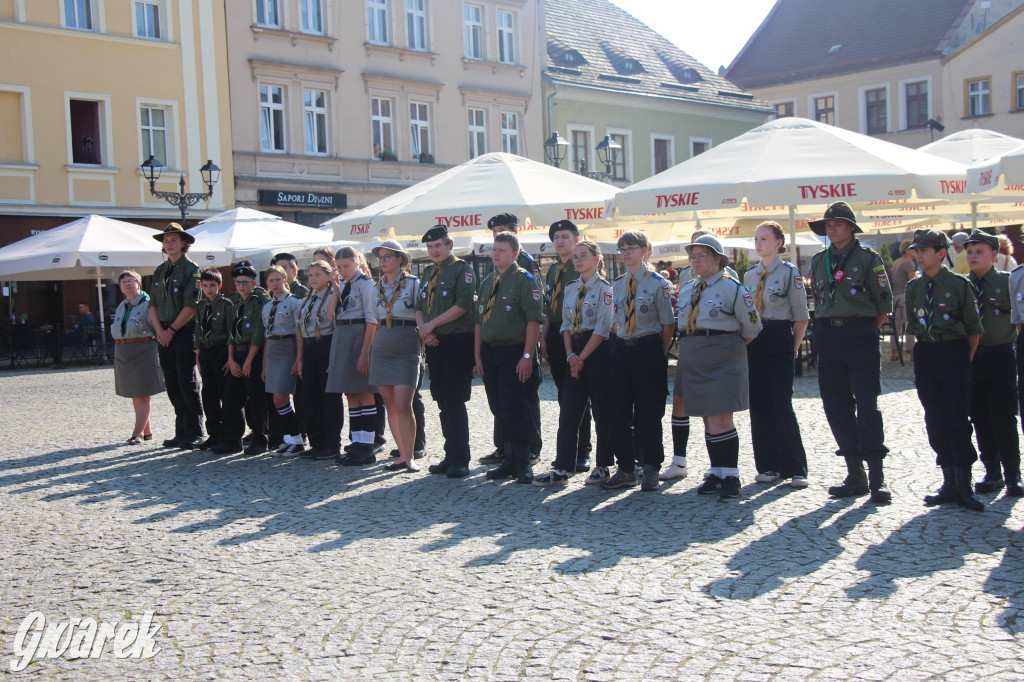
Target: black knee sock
point(724, 450)
point(287, 421)
point(680, 436)
point(380, 418)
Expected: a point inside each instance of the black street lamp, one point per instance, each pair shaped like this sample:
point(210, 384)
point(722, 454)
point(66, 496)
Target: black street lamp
point(151, 168)
point(606, 151)
point(555, 149)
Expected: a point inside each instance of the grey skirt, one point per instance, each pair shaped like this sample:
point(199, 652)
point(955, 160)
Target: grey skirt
point(343, 375)
point(711, 376)
point(395, 357)
point(137, 371)
point(279, 360)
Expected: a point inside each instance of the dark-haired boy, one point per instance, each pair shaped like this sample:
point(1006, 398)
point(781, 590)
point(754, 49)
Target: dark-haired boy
point(211, 344)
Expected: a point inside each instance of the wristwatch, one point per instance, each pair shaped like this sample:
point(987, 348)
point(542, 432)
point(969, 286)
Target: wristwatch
point(527, 356)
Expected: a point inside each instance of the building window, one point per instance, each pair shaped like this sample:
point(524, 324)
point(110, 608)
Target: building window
point(662, 154)
point(510, 133)
point(620, 160)
point(784, 109)
point(876, 111)
point(147, 19)
point(477, 132)
point(153, 124)
point(267, 13)
point(917, 104)
point(314, 107)
point(506, 38)
point(12, 124)
point(978, 103)
point(78, 14)
point(581, 150)
point(377, 21)
point(699, 145)
point(381, 125)
point(312, 16)
point(416, 23)
point(419, 128)
point(473, 29)
point(1018, 91)
point(272, 118)
point(825, 109)
point(85, 132)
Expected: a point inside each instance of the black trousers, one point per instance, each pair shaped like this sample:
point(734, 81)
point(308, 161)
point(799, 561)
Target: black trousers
point(420, 412)
point(245, 394)
point(638, 385)
point(451, 376)
point(536, 442)
point(211, 370)
point(994, 404)
point(850, 381)
point(178, 362)
point(559, 371)
point(942, 373)
point(575, 398)
point(321, 414)
point(773, 426)
point(509, 398)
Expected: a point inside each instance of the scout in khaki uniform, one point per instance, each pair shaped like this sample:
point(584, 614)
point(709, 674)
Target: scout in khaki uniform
point(993, 385)
point(211, 341)
point(173, 301)
point(852, 301)
point(444, 317)
point(944, 316)
point(509, 314)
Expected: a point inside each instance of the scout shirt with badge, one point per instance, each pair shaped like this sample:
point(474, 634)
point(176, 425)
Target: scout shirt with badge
point(131, 319)
point(298, 289)
point(516, 301)
point(785, 297)
point(313, 320)
point(280, 316)
point(652, 306)
point(212, 320)
point(360, 303)
point(247, 318)
point(442, 286)
point(397, 301)
point(175, 287)
point(952, 313)
point(559, 276)
point(993, 294)
point(724, 305)
point(1017, 294)
point(850, 283)
point(597, 313)
point(528, 263)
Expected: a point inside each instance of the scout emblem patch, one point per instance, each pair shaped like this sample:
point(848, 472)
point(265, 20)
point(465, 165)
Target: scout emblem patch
point(749, 301)
point(882, 281)
point(608, 298)
point(753, 317)
point(468, 277)
point(536, 294)
point(798, 281)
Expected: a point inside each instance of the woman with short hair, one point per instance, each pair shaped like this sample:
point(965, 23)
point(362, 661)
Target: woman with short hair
point(137, 373)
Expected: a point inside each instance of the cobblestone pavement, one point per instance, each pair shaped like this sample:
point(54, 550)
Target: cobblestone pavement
point(258, 567)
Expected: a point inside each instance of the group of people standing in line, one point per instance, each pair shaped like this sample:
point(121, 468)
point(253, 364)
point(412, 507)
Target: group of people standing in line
point(606, 343)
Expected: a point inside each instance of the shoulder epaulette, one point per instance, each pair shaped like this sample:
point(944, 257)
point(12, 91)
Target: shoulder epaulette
point(656, 275)
point(731, 278)
point(621, 276)
point(602, 279)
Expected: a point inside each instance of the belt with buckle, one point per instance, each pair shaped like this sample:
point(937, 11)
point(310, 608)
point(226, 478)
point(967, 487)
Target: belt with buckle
point(399, 323)
point(342, 323)
point(636, 340)
point(138, 339)
point(704, 332)
point(938, 337)
point(843, 321)
point(280, 337)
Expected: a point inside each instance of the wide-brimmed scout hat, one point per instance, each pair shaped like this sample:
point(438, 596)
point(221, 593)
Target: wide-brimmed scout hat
point(175, 228)
point(837, 211)
point(392, 245)
point(936, 239)
point(712, 243)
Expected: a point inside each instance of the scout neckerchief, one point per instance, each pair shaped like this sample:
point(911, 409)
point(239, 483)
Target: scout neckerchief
point(630, 305)
point(691, 320)
point(390, 303)
point(557, 291)
point(240, 317)
point(128, 305)
point(759, 292)
point(169, 276)
point(205, 328)
point(432, 288)
point(577, 318)
point(273, 313)
point(929, 301)
point(309, 309)
point(491, 299)
point(346, 292)
point(979, 290)
point(835, 274)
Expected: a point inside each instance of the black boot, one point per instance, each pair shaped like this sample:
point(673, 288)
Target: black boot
point(507, 468)
point(876, 482)
point(856, 482)
point(968, 499)
point(524, 471)
point(993, 481)
point(1011, 471)
point(947, 494)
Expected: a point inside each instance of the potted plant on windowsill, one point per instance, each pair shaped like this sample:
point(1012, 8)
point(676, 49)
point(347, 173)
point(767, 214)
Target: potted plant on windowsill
point(426, 157)
point(388, 155)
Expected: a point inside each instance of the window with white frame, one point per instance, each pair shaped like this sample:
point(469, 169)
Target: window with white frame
point(662, 153)
point(419, 129)
point(825, 109)
point(86, 122)
point(381, 127)
point(377, 21)
point(699, 145)
point(477, 126)
point(916, 98)
point(876, 111)
point(268, 13)
point(312, 16)
point(147, 18)
point(978, 102)
point(416, 23)
point(509, 133)
point(272, 118)
point(620, 157)
point(153, 128)
point(1018, 91)
point(506, 38)
point(78, 14)
point(473, 31)
point(314, 110)
point(579, 148)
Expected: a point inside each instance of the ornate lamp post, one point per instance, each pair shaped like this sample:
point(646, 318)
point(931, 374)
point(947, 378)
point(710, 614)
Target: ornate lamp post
point(555, 148)
point(606, 151)
point(151, 168)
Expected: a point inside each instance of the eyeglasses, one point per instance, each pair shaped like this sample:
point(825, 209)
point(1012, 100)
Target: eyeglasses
point(385, 257)
point(697, 255)
point(629, 250)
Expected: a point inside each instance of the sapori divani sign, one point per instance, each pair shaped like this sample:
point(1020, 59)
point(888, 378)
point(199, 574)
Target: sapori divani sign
point(297, 199)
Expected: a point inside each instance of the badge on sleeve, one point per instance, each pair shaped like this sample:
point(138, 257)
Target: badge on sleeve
point(749, 301)
point(798, 281)
point(753, 317)
point(666, 293)
point(536, 294)
point(882, 281)
point(468, 277)
point(607, 298)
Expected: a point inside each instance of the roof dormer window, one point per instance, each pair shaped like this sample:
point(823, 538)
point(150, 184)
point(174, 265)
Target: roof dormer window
point(563, 55)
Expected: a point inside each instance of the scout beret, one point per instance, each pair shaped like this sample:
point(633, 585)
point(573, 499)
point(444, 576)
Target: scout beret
point(175, 228)
point(435, 233)
point(561, 225)
point(243, 268)
point(979, 237)
point(278, 257)
point(928, 237)
point(502, 219)
point(837, 211)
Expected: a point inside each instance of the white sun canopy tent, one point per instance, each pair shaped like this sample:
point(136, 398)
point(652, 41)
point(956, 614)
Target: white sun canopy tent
point(246, 233)
point(466, 196)
point(999, 176)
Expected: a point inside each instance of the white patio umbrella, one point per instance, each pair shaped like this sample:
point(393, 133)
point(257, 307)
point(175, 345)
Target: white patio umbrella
point(89, 248)
point(464, 197)
point(1001, 175)
point(972, 146)
point(247, 233)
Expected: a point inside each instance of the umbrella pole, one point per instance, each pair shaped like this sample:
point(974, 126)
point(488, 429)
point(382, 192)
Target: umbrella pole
point(99, 313)
point(974, 215)
point(792, 236)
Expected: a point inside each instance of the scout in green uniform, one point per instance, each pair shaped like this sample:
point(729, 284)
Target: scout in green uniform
point(852, 301)
point(211, 342)
point(244, 389)
point(173, 301)
point(443, 315)
point(944, 316)
point(291, 269)
point(993, 384)
point(507, 328)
